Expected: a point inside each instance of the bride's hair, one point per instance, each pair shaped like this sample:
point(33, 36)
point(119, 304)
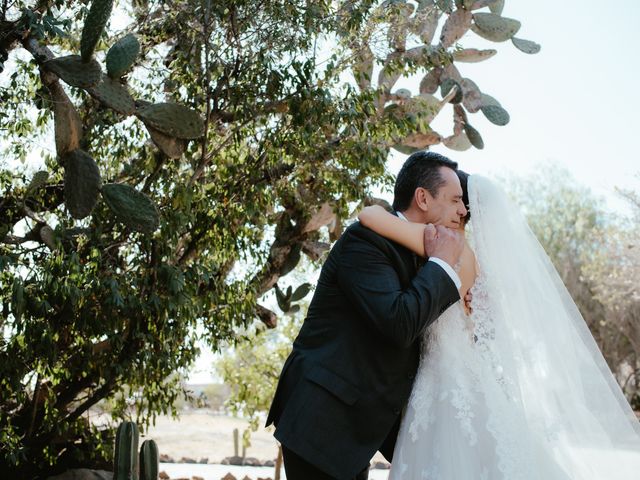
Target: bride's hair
point(420, 170)
point(464, 176)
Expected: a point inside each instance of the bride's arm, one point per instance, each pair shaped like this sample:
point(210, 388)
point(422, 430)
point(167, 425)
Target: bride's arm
point(407, 234)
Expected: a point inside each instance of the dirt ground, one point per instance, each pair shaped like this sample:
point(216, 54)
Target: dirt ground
point(202, 434)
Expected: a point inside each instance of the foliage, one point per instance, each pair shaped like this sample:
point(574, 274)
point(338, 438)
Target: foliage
point(252, 368)
point(177, 189)
point(596, 255)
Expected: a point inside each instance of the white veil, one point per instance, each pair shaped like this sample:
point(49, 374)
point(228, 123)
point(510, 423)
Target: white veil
point(541, 351)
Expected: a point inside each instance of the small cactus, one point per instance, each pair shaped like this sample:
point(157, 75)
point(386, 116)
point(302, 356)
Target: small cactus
point(74, 71)
point(81, 183)
point(131, 207)
point(126, 452)
point(149, 463)
point(122, 55)
point(97, 19)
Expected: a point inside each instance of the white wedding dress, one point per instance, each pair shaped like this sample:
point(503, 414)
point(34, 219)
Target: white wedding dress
point(519, 389)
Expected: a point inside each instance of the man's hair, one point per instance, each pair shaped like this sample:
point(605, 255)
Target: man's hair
point(420, 170)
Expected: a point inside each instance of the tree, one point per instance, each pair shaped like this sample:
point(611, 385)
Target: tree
point(180, 186)
point(596, 255)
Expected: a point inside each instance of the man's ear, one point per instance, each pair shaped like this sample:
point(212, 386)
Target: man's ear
point(422, 198)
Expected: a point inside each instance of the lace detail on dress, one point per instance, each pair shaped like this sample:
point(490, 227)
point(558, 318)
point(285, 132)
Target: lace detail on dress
point(462, 401)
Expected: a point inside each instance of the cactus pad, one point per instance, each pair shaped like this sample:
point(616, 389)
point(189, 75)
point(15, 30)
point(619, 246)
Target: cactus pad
point(455, 27)
point(447, 85)
point(122, 55)
point(97, 19)
point(473, 55)
point(173, 120)
point(74, 71)
point(527, 46)
point(496, 114)
point(494, 27)
point(172, 147)
point(81, 183)
point(474, 136)
point(431, 81)
point(131, 207)
point(114, 95)
point(67, 122)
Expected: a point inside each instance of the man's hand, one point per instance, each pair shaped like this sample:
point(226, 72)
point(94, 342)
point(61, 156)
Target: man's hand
point(443, 243)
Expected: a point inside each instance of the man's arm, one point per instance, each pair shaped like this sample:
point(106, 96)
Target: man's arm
point(371, 283)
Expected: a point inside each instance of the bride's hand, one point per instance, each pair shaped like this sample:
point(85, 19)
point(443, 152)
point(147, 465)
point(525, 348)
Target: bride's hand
point(443, 243)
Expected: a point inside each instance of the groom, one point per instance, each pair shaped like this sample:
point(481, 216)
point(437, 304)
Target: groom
point(344, 385)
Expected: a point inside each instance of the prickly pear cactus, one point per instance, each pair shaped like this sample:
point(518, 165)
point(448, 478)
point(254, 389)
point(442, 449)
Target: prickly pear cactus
point(428, 38)
point(97, 19)
point(125, 464)
point(82, 183)
point(114, 95)
point(149, 461)
point(172, 119)
point(172, 147)
point(131, 207)
point(494, 27)
point(67, 122)
point(122, 55)
point(74, 71)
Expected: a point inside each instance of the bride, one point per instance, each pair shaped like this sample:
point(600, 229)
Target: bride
point(515, 388)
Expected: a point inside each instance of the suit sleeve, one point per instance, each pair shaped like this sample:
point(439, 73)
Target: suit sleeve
point(368, 279)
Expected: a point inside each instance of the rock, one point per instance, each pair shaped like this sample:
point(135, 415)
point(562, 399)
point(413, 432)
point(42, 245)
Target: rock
point(235, 460)
point(267, 478)
point(204, 460)
point(195, 477)
point(83, 474)
point(187, 460)
point(381, 466)
point(251, 462)
point(228, 476)
point(163, 475)
point(268, 463)
point(164, 458)
point(246, 477)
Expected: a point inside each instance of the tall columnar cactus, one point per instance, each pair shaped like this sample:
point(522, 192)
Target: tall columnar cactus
point(126, 465)
point(149, 461)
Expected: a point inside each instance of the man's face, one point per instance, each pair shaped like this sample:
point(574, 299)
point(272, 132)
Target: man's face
point(446, 208)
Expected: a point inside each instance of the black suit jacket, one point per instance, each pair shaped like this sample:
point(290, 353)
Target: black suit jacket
point(344, 385)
